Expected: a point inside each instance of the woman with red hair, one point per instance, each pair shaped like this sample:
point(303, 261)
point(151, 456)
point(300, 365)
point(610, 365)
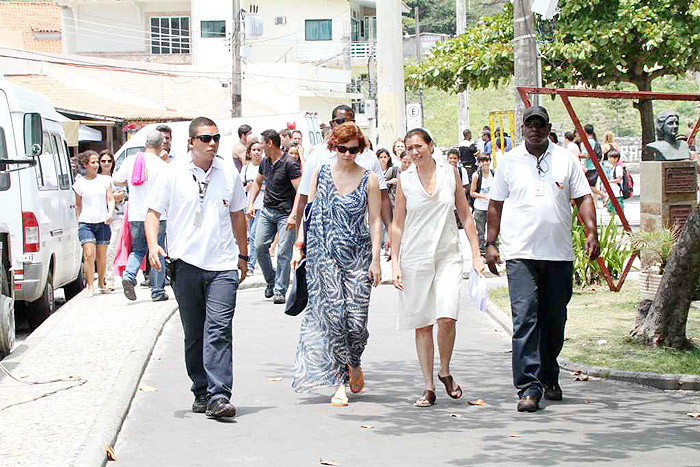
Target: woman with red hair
point(342, 265)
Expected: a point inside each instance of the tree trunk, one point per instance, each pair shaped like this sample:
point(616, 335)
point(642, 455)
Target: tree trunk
point(665, 321)
point(646, 113)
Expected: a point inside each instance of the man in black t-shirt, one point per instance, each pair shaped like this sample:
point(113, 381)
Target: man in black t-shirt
point(281, 175)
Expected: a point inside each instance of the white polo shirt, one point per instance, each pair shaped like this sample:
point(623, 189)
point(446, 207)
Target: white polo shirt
point(367, 159)
point(209, 245)
point(536, 219)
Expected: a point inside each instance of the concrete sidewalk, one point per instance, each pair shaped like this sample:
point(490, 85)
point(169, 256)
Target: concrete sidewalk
point(101, 345)
point(598, 421)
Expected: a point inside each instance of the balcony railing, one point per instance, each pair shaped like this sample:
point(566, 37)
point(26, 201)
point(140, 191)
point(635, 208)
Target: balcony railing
point(315, 51)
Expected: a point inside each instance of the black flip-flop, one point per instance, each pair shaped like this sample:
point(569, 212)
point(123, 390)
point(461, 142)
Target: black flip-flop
point(450, 386)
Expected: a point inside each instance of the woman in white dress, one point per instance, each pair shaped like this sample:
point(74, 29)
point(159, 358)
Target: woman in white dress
point(427, 264)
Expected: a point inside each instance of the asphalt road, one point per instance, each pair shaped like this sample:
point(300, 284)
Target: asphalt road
point(598, 422)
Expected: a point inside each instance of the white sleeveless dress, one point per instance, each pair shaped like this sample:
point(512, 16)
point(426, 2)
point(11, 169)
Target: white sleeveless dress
point(431, 258)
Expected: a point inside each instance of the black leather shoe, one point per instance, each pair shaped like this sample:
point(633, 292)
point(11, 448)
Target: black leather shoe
point(200, 404)
point(269, 292)
point(129, 291)
point(552, 392)
point(527, 404)
point(220, 408)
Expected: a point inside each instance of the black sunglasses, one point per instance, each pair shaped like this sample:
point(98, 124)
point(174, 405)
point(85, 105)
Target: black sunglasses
point(208, 138)
point(341, 120)
point(352, 150)
point(106, 161)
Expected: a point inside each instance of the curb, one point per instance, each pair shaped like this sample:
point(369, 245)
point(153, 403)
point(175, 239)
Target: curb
point(654, 380)
point(111, 416)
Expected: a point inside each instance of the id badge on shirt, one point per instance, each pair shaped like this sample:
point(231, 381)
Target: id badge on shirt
point(198, 218)
point(539, 188)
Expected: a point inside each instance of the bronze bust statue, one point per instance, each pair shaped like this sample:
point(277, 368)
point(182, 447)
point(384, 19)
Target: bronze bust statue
point(667, 147)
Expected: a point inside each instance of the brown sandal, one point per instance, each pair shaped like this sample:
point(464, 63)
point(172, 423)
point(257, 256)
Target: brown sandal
point(427, 399)
point(450, 386)
point(357, 379)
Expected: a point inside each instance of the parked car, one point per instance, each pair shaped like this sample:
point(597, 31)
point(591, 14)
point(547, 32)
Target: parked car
point(39, 246)
point(306, 122)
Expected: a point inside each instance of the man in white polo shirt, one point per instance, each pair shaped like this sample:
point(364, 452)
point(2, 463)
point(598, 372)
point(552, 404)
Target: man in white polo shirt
point(204, 199)
point(322, 155)
point(532, 190)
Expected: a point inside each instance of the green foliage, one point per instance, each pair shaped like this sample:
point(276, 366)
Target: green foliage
point(615, 250)
point(441, 109)
point(481, 58)
point(657, 245)
point(595, 42)
point(436, 16)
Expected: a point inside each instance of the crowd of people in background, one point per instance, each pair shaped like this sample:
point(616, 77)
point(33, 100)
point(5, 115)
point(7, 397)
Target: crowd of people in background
point(333, 208)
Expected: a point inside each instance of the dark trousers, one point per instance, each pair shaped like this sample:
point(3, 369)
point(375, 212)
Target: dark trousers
point(207, 300)
point(539, 294)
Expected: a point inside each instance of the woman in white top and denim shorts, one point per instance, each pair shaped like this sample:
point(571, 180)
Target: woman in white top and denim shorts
point(95, 207)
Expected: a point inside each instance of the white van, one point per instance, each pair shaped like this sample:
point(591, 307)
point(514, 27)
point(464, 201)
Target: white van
point(39, 246)
point(306, 122)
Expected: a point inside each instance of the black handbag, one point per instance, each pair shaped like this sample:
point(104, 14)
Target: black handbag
point(298, 296)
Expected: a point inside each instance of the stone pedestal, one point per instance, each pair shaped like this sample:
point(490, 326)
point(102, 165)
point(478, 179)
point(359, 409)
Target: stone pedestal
point(668, 193)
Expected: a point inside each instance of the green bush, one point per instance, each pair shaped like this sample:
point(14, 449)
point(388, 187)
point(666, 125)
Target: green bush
point(615, 250)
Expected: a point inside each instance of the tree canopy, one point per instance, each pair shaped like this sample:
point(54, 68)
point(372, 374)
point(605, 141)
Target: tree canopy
point(435, 16)
point(594, 43)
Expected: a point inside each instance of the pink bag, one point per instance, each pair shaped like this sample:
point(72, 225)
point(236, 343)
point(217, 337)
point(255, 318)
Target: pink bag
point(138, 176)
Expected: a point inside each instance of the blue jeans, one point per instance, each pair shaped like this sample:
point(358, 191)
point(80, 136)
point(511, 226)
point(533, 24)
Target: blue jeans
point(252, 226)
point(207, 301)
point(539, 293)
point(139, 249)
point(271, 222)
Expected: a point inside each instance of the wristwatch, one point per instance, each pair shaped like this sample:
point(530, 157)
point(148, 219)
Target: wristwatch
point(491, 243)
point(244, 257)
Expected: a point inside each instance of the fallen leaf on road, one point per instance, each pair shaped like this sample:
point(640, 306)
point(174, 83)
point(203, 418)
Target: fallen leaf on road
point(695, 415)
point(580, 377)
point(514, 435)
point(477, 402)
point(111, 456)
point(455, 415)
point(275, 379)
point(147, 388)
point(366, 427)
point(328, 462)
point(588, 401)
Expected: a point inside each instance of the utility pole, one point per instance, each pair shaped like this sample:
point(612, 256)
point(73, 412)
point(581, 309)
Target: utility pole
point(390, 83)
point(236, 81)
point(419, 58)
point(463, 121)
point(527, 67)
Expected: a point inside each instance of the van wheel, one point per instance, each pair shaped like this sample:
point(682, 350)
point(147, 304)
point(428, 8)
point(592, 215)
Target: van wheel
point(42, 308)
point(7, 315)
point(74, 288)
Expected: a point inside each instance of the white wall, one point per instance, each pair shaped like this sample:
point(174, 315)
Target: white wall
point(280, 40)
point(114, 27)
point(211, 50)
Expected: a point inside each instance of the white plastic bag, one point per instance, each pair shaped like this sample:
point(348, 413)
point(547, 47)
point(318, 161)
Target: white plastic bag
point(478, 292)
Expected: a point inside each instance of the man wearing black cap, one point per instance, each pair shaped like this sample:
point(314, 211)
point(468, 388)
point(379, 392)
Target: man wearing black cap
point(532, 190)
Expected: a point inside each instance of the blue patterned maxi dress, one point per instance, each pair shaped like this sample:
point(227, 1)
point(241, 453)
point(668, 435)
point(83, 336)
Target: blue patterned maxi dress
point(339, 253)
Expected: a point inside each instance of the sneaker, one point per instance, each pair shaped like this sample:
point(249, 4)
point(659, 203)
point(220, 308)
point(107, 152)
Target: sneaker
point(145, 283)
point(220, 408)
point(160, 298)
point(129, 290)
point(552, 392)
point(278, 299)
point(200, 404)
point(269, 291)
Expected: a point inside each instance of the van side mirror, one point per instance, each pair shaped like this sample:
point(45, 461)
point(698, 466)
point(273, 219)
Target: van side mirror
point(33, 133)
